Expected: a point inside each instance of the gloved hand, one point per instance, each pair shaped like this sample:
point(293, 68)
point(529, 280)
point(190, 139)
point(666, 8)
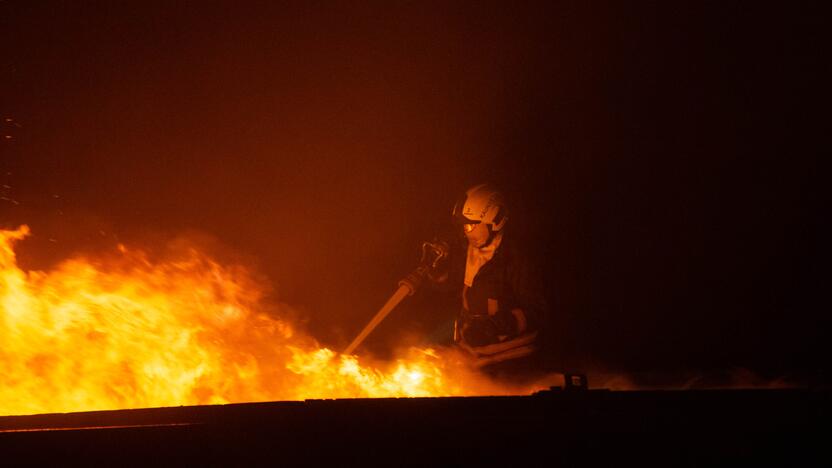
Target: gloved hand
point(504, 323)
point(482, 330)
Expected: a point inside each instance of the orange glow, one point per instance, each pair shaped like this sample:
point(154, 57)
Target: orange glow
point(126, 330)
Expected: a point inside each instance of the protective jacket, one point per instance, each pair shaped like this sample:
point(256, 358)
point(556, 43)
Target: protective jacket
point(486, 327)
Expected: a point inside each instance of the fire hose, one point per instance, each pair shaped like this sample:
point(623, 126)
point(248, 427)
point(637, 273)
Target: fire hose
point(432, 255)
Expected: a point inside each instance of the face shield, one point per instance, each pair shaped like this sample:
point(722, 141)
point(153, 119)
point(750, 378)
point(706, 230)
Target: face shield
point(477, 234)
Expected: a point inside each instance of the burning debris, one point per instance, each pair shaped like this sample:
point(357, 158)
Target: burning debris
point(128, 330)
point(8, 127)
point(5, 191)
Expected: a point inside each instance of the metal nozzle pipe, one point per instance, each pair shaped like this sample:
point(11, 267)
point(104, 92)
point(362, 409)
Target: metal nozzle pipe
point(432, 255)
point(404, 290)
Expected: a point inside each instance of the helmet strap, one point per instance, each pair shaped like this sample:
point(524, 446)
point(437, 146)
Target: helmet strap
point(491, 235)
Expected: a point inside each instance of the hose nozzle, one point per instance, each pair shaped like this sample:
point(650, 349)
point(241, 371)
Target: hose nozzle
point(432, 255)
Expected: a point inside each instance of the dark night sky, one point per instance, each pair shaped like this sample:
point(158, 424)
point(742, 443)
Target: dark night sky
point(663, 160)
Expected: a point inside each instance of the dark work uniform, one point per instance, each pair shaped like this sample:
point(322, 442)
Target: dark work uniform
point(485, 321)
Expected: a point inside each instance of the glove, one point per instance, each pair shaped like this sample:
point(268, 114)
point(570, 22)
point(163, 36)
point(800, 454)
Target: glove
point(504, 323)
point(483, 330)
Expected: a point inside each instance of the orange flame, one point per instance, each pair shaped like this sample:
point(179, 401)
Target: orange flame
point(126, 331)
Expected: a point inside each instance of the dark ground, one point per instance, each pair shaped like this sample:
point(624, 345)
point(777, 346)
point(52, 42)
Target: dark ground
point(555, 428)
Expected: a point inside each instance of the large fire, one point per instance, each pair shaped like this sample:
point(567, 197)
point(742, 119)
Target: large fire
point(126, 330)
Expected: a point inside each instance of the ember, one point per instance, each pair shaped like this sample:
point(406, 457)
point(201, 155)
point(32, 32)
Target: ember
point(124, 330)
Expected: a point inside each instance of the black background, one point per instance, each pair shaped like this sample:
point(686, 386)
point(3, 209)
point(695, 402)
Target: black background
point(662, 161)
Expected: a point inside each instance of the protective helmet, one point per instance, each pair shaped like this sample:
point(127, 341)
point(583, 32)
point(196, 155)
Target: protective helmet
point(481, 204)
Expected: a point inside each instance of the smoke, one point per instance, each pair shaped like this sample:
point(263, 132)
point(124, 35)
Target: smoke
point(729, 378)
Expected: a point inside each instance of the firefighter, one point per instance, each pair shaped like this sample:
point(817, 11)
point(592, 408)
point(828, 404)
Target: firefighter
point(502, 305)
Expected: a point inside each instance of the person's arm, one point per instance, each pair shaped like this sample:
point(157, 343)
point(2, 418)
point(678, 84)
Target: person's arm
point(529, 303)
